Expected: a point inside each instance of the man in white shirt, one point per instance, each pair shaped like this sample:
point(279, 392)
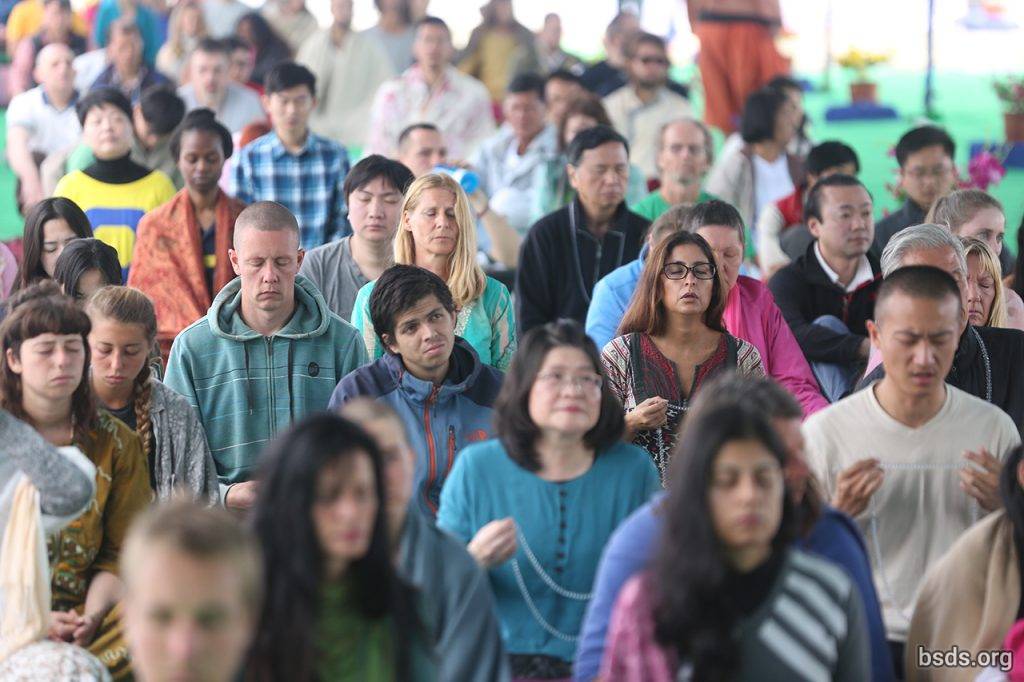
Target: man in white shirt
point(914, 460)
point(42, 120)
point(828, 294)
point(431, 91)
point(639, 109)
point(508, 160)
point(210, 86)
point(349, 67)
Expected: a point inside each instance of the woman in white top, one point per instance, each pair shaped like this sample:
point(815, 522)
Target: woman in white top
point(761, 171)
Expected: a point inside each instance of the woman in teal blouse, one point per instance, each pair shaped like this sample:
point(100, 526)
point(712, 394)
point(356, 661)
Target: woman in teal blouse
point(437, 232)
point(334, 608)
point(537, 505)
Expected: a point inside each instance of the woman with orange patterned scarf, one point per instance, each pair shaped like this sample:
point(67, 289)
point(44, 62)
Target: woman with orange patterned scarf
point(181, 250)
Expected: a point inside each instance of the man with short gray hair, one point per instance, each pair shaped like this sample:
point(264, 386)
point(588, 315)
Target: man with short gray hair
point(988, 360)
point(685, 153)
point(269, 351)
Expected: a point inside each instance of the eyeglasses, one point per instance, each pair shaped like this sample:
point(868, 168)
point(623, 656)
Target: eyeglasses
point(660, 61)
point(681, 270)
point(934, 172)
point(587, 382)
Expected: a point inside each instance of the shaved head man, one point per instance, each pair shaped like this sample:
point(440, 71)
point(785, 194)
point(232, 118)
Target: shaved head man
point(268, 352)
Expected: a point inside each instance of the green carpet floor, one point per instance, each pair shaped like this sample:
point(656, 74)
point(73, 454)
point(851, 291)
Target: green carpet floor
point(966, 104)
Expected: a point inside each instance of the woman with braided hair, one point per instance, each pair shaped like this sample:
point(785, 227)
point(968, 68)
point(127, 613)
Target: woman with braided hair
point(123, 332)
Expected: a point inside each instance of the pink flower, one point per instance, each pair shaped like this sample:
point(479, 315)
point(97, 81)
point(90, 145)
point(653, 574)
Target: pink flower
point(984, 170)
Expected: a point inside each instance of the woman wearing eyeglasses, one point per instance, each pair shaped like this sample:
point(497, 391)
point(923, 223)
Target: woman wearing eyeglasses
point(536, 505)
point(672, 340)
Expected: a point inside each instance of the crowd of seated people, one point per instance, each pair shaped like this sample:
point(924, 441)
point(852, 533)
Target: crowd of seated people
point(348, 355)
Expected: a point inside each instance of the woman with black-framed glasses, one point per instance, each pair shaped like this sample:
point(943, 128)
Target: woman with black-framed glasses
point(671, 341)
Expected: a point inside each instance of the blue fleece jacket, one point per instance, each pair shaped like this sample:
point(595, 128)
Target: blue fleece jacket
point(610, 300)
point(439, 420)
point(247, 387)
point(633, 546)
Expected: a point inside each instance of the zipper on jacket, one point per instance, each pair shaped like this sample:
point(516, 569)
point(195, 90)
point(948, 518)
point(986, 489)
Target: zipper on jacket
point(431, 449)
point(597, 261)
point(451, 449)
point(271, 412)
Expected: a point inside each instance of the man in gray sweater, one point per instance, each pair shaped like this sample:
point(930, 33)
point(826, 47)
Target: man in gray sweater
point(373, 194)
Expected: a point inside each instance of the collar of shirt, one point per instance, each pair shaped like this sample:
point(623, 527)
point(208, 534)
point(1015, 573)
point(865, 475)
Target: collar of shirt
point(578, 217)
point(862, 276)
point(543, 143)
point(278, 150)
point(633, 100)
point(414, 76)
point(913, 212)
point(71, 103)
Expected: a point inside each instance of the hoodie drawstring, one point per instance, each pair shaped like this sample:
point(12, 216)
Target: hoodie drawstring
point(291, 396)
point(248, 380)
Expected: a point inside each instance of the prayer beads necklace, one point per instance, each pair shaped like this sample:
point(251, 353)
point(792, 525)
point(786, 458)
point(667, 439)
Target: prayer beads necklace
point(555, 587)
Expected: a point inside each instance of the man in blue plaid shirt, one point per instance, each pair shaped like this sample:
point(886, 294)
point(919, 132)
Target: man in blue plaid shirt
point(293, 166)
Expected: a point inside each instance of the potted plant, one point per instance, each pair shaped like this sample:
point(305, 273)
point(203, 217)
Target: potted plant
point(862, 88)
point(1010, 92)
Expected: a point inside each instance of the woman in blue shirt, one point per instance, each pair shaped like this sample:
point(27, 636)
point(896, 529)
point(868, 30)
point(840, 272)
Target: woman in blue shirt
point(536, 505)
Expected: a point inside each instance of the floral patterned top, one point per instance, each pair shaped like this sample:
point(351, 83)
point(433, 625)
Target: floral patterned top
point(92, 542)
point(458, 104)
point(637, 370)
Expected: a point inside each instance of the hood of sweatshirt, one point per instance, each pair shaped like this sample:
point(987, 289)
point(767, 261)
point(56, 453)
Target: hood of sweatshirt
point(311, 318)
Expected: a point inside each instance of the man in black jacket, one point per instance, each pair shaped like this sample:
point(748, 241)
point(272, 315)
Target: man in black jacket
point(568, 251)
point(828, 294)
point(988, 362)
point(925, 155)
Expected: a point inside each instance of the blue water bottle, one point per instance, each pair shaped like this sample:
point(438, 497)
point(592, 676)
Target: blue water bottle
point(469, 180)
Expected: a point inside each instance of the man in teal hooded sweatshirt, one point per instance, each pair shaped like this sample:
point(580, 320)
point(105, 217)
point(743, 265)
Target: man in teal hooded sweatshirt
point(268, 352)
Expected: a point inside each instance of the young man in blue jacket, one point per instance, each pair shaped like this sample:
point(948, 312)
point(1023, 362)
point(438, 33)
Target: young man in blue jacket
point(432, 378)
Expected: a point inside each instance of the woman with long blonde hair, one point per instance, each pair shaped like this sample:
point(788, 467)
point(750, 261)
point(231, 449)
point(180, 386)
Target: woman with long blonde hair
point(185, 29)
point(123, 332)
point(986, 294)
point(437, 232)
point(974, 213)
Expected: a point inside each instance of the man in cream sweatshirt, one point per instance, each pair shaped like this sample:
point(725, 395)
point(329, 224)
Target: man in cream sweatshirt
point(914, 460)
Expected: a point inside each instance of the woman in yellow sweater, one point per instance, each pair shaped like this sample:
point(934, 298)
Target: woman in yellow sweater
point(114, 192)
